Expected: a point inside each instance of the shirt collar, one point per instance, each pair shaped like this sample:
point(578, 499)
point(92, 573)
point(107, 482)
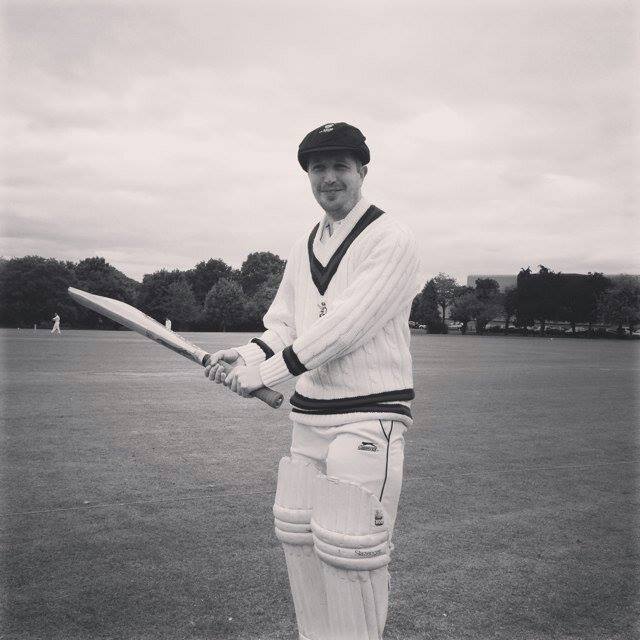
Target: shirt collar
point(348, 222)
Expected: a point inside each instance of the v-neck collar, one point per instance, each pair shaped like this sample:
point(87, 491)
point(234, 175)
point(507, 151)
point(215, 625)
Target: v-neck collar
point(322, 275)
point(323, 250)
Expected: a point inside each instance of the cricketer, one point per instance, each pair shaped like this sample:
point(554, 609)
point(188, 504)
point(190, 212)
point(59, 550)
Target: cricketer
point(339, 324)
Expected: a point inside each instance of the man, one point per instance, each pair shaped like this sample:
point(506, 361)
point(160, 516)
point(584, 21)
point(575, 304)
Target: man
point(56, 324)
point(339, 322)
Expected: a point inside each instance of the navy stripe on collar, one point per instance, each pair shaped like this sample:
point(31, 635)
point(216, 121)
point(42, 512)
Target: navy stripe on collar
point(322, 275)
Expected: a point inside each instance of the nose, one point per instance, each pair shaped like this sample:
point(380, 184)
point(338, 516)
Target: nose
point(329, 176)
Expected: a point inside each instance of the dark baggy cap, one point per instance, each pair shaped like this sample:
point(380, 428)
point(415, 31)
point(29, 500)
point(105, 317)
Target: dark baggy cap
point(333, 136)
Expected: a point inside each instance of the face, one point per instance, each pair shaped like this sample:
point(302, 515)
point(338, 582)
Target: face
point(336, 181)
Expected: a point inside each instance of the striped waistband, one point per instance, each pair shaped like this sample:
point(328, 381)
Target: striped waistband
point(384, 402)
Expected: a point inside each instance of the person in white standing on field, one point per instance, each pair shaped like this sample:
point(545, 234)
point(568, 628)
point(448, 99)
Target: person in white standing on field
point(339, 322)
point(56, 324)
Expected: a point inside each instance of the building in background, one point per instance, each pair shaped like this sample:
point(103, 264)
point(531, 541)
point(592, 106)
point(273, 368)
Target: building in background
point(503, 280)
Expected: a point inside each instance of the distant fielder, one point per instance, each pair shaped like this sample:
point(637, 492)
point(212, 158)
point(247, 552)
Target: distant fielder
point(56, 324)
point(339, 323)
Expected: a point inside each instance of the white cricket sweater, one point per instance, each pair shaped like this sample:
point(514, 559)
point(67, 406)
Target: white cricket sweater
point(340, 321)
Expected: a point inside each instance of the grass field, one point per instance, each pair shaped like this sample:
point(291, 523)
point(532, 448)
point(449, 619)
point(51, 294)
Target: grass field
point(136, 496)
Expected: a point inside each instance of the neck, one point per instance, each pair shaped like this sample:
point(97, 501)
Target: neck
point(340, 214)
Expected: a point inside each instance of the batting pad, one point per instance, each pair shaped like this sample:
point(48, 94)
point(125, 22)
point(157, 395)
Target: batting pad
point(292, 512)
point(351, 538)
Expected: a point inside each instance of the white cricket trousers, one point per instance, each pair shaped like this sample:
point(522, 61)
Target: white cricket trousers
point(369, 453)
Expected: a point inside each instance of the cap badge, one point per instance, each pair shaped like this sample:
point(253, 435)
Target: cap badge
point(328, 127)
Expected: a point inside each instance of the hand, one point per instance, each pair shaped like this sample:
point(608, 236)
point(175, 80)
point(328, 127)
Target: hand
point(214, 371)
point(244, 380)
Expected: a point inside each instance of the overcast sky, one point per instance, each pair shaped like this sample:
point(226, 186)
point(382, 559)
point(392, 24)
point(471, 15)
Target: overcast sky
point(161, 134)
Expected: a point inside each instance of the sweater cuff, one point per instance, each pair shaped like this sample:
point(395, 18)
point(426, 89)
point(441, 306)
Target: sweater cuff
point(281, 367)
point(251, 353)
point(274, 371)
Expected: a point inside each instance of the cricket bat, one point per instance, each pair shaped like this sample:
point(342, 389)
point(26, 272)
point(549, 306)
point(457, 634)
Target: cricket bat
point(134, 319)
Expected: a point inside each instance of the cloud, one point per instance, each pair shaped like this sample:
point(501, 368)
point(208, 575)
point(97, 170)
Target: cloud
point(159, 135)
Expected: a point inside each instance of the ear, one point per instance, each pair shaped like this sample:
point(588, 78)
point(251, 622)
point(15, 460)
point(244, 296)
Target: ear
point(363, 171)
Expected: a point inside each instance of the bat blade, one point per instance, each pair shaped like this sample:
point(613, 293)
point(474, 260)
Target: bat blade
point(141, 323)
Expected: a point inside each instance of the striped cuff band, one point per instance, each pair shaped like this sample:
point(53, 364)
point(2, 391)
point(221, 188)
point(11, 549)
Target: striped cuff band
point(293, 364)
point(268, 351)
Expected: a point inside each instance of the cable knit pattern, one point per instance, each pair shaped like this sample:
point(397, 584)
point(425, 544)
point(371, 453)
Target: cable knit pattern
point(359, 346)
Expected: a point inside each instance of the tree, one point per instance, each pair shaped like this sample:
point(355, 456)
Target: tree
point(33, 288)
point(258, 268)
point(224, 306)
point(445, 288)
point(481, 304)
point(525, 299)
point(539, 297)
point(509, 305)
point(204, 275)
point(424, 309)
point(96, 275)
point(487, 288)
point(257, 305)
point(181, 305)
point(488, 302)
point(463, 309)
point(155, 297)
point(597, 284)
point(579, 297)
point(620, 304)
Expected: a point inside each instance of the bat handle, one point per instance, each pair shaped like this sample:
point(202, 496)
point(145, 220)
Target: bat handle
point(269, 396)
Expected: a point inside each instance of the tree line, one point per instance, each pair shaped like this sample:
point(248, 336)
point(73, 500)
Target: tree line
point(538, 299)
point(213, 296)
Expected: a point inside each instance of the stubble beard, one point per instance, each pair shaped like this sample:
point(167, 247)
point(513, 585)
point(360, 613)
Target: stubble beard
point(337, 210)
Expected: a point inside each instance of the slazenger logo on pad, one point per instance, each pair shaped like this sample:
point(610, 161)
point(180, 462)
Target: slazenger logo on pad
point(367, 446)
point(368, 554)
point(378, 518)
